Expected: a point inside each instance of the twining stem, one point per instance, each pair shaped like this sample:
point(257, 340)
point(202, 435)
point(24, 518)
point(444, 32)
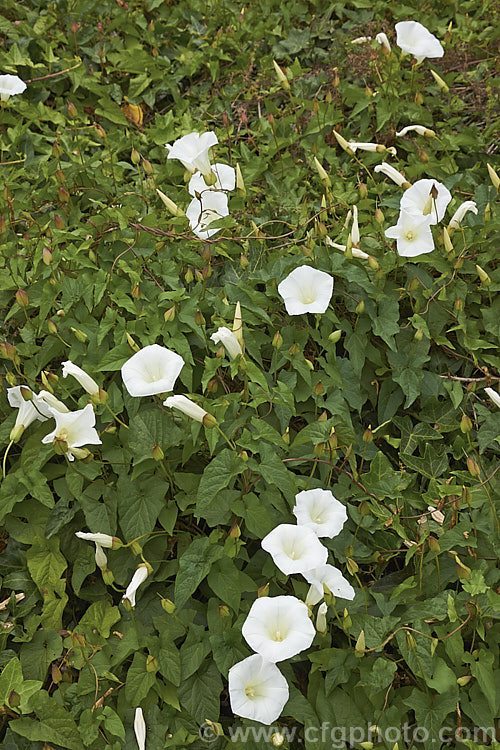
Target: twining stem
point(4, 462)
point(115, 416)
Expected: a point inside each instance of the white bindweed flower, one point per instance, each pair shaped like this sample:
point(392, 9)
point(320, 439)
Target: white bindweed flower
point(212, 207)
point(103, 540)
point(100, 558)
point(192, 151)
point(420, 129)
point(378, 147)
point(28, 411)
point(459, 214)
point(361, 40)
point(278, 627)
point(226, 337)
point(73, 429)
point(332, 578)
point(141, 573)
point(45, 399)
point(356, 252)
point(428, 198)
point(320, 511)
point(413, 234)
point(257, 689)
point(495, 397)
point(382, 39)
point(393, 173)
point(306, 289)
point(294, 549)
point(81, 376)
point(10, 85)
point(355, 227)
point(321, 625)
point(186, 406)
point(154, 369)
point(140, 729)
point(418, 41)
point(225, 180)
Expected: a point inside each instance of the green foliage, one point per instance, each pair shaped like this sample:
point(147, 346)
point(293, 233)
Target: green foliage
point(391, 414)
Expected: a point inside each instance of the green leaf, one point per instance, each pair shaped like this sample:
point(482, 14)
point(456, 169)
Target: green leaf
point(194, 565)
point(432, 464)
point(10, 679)
point(46, 564)
point(139, 681)
point(139, 504)
point(217, 476)
point(224, 580)
point(55, 724)
point(430, 713)
point(200, 694)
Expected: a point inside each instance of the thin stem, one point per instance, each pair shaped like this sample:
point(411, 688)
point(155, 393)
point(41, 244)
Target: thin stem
point(4, 462)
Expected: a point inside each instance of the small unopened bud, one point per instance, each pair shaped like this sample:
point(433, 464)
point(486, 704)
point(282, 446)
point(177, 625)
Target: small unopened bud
point(419, 334)
point(58, 222)
point(281, 76)
point(240, 183)
point(352, 565)
point(46, 256)
point(343, 143)
point(136, 548)
point(189, 275)
point(136, 291)
point(199, 318)
point(323, 174)
point(147, 167)
point(442, 84)
point(495, 179)
point(334, 336)
point(131, 342)
point(107, 577)
point(458, 304)
point(263, 591)
point(244, 262)
point(368, 435)
point(359, 649)
point(59, 175)
point(472, 467)
point(485, 279)
point(379, 216)
point(99, 131)
point(56, 149)
point(434, 545)
point(80, 335)
point(235, 531)
point(157, 453)
point(22, 298)
point(62, 194)
point(168, 606)
point(72, 111)
point(448, 245)
point(170, 205)
point(309, 364)
point(286, 436)
point(51, 326)
point(169, 314)
point(360, 308)
point(419, 99)
point(294, 349)
point(14, 698)
point(209, 421)
point(223, 610)
point(319, 450)
point(464, 679)
point(135, 156)
point(465, 423)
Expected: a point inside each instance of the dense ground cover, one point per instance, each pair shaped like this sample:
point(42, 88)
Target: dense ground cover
point(380, 398)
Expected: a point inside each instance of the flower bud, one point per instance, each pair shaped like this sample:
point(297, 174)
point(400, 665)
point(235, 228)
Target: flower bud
point(157, 453)
point(107, 577)
point(368, 435)
point(281, 76)
point(209, 421)
point(136, 548)
point(151, 663)
point(244, 262)
point(294, 349)
point(263, 590)
point(56, 149)
point(170, 205)
point(495, 179)
point(240, 184)
point(442, 84)
point(359, 649)
point(80, 335)
point(343, 143)
point(464, 680)
point(419, 334)
point(62, 194)
point(59, 175)
point(360, 308)
point(189, 276)
point(99, 131)
point(335, 336)
point(235, 531)
point(485, 279)
point(46, 256)
point(352, 565)
point(472, 467)
point(22, 298)
point(168, 606)
point(58, 222)
point(147, 167)
point(465, 423)
point(169, 314)
point(14, 698)
point(131, 342)
point(72, 111)
point(325, 179)
point(286, 436)
point(448, 245)
point(379, 216)
point(135, 156)
point(434, 545)
point(51, 326)
point(223, 610)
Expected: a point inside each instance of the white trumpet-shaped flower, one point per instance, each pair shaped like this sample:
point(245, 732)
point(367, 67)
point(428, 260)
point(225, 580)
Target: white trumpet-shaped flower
point(141, 573)
point(278, 627)
point(459, 214)
point(321, 625)
point(226, 337)
point(257, 689)
point(45, 399)
point(10, 85)
point(225, 179)
point(212, 207)
point(192, 151)
point(306, 289)
point(153, 369)
point(332, 578)
point(355, 227)
point(28, 411)
point(103, 540)
point(378, 147)
point(356, 252)
point(100, 558)
point(392, 173)
point(413, 234)
point(73, 429)
point(294, 549)
point(81, 376)
point(494, 395)
point(320, 511)
point(416, 40)
point(188, 407)
point(382, 39)
point(428, 198)
point(140, 729)
point(420, 129)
